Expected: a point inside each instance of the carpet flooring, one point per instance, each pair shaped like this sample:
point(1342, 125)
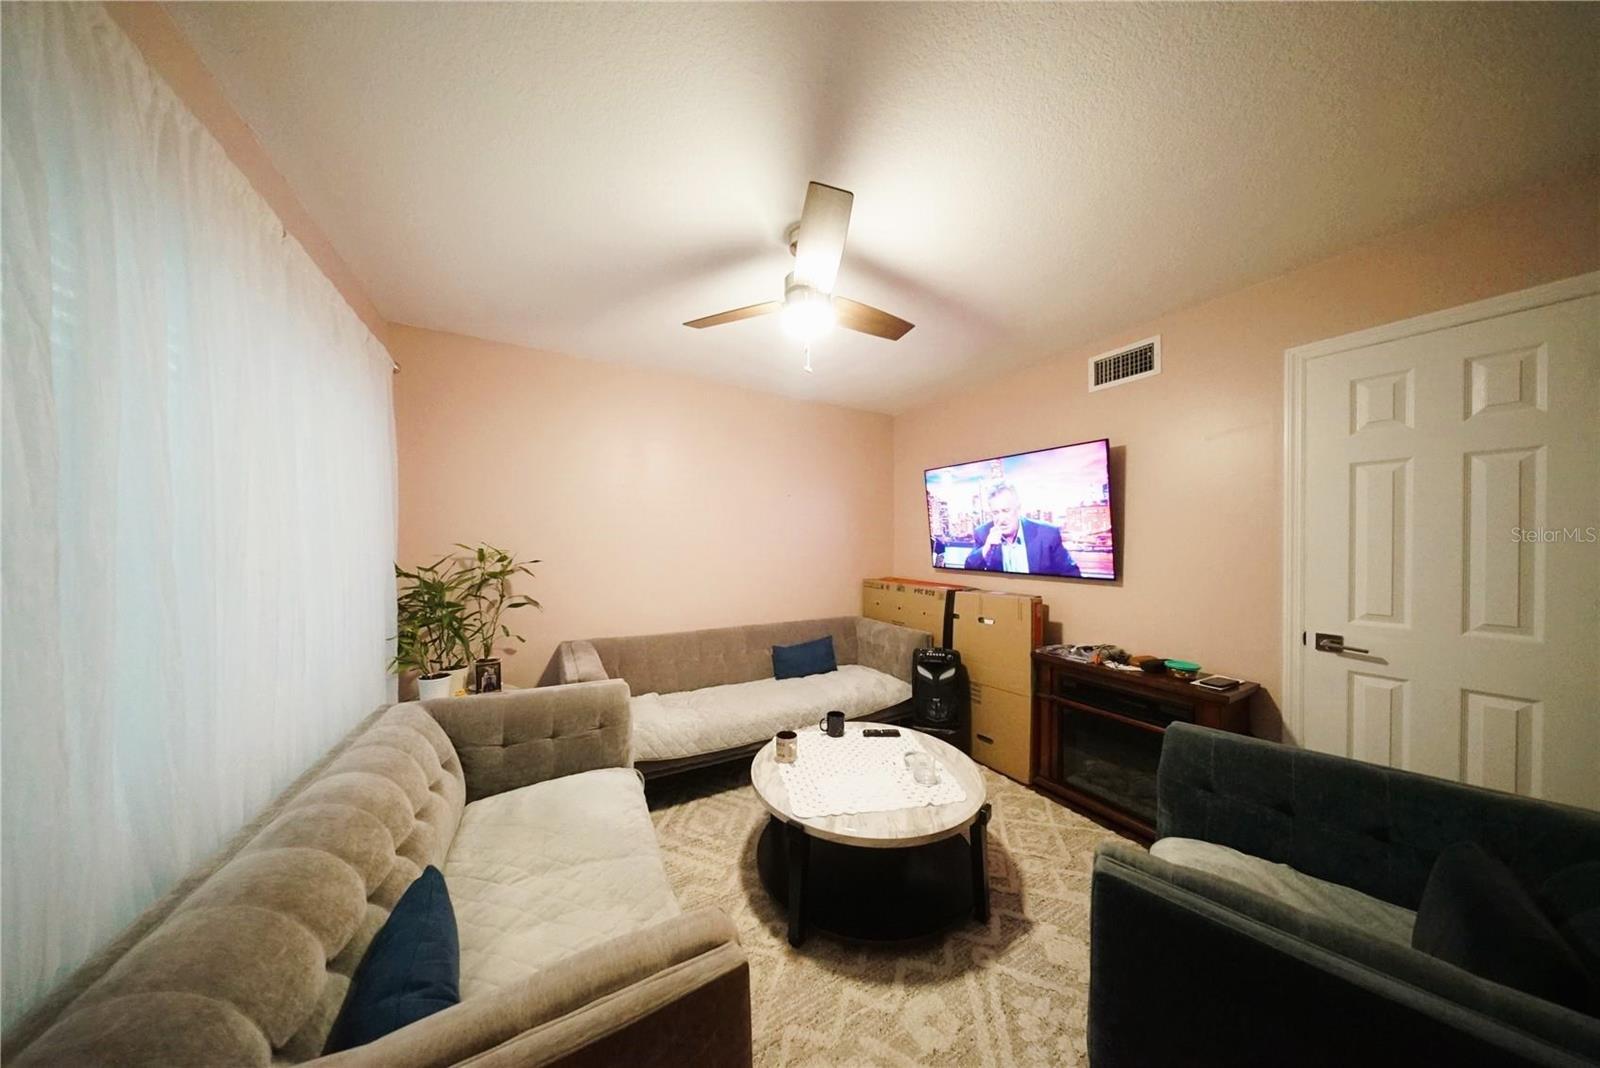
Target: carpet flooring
point(1013, 992)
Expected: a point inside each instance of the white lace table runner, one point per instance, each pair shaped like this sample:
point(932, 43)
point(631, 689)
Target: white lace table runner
point(853, 774)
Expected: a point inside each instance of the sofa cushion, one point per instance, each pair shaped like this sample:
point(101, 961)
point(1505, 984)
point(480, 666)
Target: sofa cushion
point(1373, 828)
point(411, 970)
point(1571, 898)
point(1475, 915)
point(674, 725)
point(542, 871)
point(1326, 981)
point(1328, 900)
point(805, 658)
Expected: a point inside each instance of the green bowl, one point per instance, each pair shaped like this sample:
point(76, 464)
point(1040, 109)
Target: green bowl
point(1183, 669)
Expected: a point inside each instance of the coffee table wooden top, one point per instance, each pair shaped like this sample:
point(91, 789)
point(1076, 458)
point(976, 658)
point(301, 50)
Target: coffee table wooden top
point(896, 829)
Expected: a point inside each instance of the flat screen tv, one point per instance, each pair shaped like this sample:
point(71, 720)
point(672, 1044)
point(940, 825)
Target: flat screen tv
point(1046, 512)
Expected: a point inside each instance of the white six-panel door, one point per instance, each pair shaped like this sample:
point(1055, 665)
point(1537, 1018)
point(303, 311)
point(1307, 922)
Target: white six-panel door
point(1445, 517)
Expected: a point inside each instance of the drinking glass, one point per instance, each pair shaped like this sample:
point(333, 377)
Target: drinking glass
point(923, 770)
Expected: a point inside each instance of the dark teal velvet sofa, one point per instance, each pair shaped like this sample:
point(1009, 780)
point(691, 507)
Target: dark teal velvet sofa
point(1188, 968)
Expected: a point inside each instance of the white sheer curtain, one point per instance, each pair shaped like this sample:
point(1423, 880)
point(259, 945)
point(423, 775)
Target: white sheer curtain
point(198, 497)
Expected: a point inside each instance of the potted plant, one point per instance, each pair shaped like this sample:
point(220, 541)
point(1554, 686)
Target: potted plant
point(485, 589)
point(432, 625)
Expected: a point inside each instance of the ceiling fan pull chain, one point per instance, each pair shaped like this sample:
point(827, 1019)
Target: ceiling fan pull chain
point(808, 359)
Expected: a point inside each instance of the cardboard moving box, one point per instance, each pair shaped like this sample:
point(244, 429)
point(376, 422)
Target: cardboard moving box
point(1002, 731)
point(923, 606)
point(996, 634)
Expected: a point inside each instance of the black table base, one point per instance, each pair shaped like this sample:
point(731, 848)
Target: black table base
point(880, 895)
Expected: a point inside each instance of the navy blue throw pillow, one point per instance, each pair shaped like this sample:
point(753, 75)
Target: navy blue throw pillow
point(1475, 915)
point(806, 658)
point(411, 970)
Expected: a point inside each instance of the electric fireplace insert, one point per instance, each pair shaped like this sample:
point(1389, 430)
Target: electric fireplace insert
point(1098, 732)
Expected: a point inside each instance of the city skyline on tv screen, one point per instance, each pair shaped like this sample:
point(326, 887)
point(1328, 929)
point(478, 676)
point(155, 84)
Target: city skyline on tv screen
point(1046, 512)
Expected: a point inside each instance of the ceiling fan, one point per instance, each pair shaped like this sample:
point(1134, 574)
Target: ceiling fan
point(809, 308)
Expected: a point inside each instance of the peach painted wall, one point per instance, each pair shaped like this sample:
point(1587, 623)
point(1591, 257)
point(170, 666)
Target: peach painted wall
point(171, 56)
point(657, 501)
point(1197, 450)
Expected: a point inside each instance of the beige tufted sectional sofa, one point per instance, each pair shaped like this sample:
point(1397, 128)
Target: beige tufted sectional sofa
point(574, 950)
point(707, 696)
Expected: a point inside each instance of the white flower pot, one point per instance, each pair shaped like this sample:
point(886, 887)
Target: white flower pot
point(430, 687)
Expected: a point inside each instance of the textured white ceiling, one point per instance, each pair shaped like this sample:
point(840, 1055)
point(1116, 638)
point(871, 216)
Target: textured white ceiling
point(585, 177)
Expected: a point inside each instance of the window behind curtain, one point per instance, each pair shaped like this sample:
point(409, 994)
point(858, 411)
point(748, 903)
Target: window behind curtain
point(197, 466)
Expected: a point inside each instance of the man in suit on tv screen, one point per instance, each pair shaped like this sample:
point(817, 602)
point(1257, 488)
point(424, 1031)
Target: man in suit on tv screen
point(1021, 546)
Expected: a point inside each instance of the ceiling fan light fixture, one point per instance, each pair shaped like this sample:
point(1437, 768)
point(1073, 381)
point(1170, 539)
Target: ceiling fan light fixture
point(809, 309)
point(807, 315)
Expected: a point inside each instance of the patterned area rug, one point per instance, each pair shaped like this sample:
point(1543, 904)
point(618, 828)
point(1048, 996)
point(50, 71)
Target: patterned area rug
point(1012, 993)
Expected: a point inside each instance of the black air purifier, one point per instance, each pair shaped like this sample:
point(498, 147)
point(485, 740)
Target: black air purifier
point(940, 697)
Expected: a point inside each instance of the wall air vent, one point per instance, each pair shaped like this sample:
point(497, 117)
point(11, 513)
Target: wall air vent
point(1126, 365)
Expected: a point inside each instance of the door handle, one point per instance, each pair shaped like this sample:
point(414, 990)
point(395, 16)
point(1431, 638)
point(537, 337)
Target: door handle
point(1334, 643)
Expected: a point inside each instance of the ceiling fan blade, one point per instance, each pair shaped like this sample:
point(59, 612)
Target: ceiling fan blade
point(750, 311)
point(819, 243)
point(864, 318)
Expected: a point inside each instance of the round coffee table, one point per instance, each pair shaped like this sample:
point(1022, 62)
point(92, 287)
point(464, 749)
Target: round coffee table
point(879, 876)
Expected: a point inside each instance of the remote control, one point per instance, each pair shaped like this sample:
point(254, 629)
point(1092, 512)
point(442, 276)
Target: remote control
point(880, 732)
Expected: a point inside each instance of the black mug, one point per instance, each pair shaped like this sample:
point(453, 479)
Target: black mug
point(832, 724)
